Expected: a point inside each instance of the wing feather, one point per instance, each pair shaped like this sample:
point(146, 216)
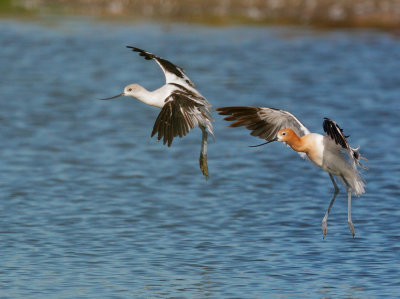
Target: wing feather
point(333, 130)
point(172, 72)
point(181, 113)
point(263, 122)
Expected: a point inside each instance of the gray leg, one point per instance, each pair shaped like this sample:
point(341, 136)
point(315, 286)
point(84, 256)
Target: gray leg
point(351, 225)
point(324, 221)
point(203, 153)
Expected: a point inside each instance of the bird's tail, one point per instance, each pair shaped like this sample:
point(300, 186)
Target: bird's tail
point(352, 177)
point(357, 184)
point(353, 180)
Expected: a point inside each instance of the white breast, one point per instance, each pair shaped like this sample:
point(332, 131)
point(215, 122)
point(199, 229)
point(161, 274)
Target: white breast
point(157, 97)
point(316, 144)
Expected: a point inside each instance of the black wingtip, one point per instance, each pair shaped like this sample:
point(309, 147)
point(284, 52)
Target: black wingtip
point(145, 54)
point(332, 129)
point(134, 48)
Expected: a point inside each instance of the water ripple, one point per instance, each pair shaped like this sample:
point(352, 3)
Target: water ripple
point(91, 206)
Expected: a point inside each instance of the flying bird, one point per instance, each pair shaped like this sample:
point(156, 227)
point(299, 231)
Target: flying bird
point(331, 152)
point(182, 106)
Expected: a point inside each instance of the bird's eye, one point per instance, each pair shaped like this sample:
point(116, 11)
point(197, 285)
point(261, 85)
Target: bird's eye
point(130, 89)
point(283, 133)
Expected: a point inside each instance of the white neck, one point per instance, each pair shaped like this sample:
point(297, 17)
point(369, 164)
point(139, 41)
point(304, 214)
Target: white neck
point(154, 98)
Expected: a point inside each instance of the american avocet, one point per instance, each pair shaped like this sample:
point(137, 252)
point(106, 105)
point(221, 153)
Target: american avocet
point(182, 106)
point(325, 151)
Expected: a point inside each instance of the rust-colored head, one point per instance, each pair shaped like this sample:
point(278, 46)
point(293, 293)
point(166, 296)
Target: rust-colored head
point(286, 135)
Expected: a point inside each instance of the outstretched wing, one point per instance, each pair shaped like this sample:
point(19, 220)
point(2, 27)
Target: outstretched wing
point(173, 73)
point(181, 113)
point(263, 122)
point(333, 130)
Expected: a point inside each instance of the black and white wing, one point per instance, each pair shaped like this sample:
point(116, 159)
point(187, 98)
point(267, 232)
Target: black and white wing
point(333, 130)
point(173, 73)
point(181, 113)
point(263, 122)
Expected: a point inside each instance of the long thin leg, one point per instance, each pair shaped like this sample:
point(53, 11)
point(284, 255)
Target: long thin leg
point(324, 221)
point(203, 153)
point(351, 225)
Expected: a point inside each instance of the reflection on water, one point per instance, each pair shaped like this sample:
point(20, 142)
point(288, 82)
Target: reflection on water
point(92, 206)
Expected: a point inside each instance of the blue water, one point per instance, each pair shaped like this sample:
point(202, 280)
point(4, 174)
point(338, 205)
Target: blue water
point(91, 206)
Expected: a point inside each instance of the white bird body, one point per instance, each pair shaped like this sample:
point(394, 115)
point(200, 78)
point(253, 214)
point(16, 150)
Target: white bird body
point(154, 98)
point(182, 106)
point(325, 153)
point(331, 152)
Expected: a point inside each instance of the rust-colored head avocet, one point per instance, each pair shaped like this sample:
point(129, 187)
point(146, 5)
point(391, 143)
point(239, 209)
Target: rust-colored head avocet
point(324, 151)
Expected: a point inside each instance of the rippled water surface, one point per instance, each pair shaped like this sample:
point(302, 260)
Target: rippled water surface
point(91, 206)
